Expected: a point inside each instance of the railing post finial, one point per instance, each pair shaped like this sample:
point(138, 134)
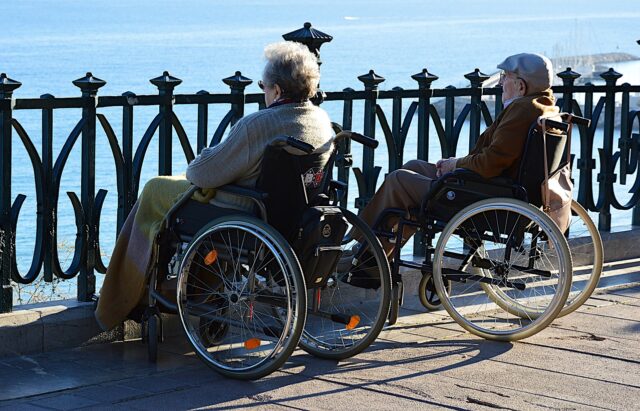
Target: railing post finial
point(7, 86)
point(424, 78)
point(166, 83)
point(89, 84)
point(476, 78)
point(237, 82)
point(371, 80)
point(568, 76)
point(611, 76)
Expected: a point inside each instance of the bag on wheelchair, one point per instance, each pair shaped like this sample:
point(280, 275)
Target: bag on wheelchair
point(317, 243)
point(557, 187)
point(550, 186)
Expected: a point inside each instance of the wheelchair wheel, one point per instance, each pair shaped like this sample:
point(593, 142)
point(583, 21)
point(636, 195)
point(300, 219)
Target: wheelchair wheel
point(428, 294)
point(345, 316)
point(236, 271)
point(587, 256)
point(506, 248)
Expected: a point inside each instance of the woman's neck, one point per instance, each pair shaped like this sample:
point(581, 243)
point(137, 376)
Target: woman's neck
point(284, 100)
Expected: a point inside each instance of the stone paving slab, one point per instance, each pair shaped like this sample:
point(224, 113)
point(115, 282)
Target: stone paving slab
point(587, 360)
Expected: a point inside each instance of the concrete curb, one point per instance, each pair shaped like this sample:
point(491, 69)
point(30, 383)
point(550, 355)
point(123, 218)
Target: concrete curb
point(621, 245)
point(66, 324)
point(63, 324)
point(50, 326)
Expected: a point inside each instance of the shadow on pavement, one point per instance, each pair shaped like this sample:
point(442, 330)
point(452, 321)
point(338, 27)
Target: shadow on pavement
point(372, 374)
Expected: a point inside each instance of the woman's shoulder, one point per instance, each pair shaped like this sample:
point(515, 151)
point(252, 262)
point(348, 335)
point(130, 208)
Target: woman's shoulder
point(304, 111)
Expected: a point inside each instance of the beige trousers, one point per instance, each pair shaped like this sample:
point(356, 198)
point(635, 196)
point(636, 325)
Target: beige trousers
point(403, 188)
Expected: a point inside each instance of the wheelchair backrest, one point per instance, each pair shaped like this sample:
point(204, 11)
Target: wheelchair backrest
point(292, 183)
point(531, 173)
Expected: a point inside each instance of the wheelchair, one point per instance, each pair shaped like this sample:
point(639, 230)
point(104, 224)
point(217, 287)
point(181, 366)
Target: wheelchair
point(249, 287)
point(501, 267)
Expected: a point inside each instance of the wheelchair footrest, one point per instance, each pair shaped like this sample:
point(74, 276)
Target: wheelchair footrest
point(351, 321)
point(534, 271)
point(460, 276)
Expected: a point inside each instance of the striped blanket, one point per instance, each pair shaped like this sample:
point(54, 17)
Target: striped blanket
point(125, 282)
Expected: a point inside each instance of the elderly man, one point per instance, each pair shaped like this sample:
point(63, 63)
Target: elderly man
point(526, 94)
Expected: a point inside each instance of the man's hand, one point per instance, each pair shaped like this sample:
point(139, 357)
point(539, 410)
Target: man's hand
point(445, 165)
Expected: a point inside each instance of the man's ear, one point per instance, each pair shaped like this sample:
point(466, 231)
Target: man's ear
point(522, 87)
point(278, 90)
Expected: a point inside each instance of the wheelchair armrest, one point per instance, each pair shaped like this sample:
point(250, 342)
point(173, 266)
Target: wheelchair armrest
point(458, 177)
point(463, 174)
point(243, 192)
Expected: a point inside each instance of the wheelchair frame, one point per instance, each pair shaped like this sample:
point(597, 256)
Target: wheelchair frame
point(158, 303)
point(428, 222)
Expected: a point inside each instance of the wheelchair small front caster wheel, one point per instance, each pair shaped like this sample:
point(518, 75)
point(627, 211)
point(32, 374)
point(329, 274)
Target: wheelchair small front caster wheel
point(152, 338)
point(427, 293)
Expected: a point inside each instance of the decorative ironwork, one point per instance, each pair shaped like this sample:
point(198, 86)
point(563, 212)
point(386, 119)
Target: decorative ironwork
point(434, 109)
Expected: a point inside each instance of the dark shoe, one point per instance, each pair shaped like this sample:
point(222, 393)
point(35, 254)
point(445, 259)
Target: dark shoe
point(362, 272)
point(346, 260)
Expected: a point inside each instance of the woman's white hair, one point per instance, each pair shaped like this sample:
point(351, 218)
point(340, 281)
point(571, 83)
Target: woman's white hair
point(293, 67)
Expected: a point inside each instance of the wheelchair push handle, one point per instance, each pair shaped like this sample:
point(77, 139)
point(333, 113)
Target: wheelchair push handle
point(581, 121)
point(282, 141)
point(357, 137)
point(557, 124)
point(567, 120)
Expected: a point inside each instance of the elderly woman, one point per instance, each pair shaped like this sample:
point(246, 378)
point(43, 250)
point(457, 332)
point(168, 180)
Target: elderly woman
point(289, 79)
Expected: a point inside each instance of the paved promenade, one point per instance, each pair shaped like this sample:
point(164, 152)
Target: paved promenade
point(588, 360)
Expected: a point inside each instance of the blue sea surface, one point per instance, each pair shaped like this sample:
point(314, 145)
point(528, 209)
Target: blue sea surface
point(45, 44)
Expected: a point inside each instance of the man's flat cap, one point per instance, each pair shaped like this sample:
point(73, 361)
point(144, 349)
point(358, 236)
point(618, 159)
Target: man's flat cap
point(535, 69)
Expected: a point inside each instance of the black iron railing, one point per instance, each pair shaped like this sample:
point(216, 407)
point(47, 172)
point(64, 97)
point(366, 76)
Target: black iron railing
point(445, 124)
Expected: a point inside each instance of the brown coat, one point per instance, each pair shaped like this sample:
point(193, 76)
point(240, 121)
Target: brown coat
point(500, 146)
